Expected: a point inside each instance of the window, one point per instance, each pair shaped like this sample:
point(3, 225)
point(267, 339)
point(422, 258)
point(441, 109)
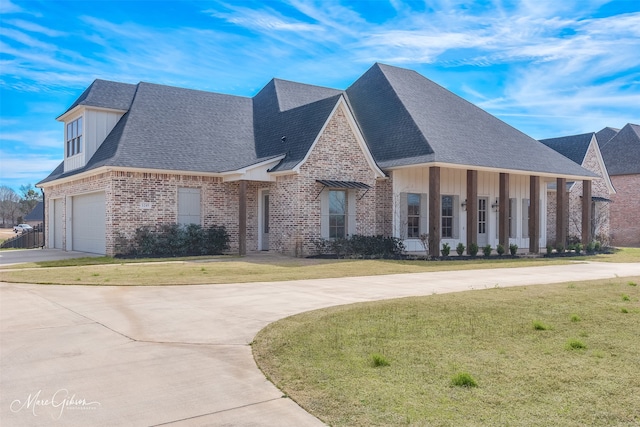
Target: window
point(337, 214)
point(413, 216)
point(74, 137)
point(447, 217)
point(188, 206)
point(525, 217)
point(482, 216)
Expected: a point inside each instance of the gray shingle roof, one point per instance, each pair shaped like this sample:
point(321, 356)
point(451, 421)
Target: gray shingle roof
point(605, 134)
point(36, 214)
point(573, 147)
point(288, 117)
point(621, 154)
point(408, 119)
point(106, 94)
point(405, 119)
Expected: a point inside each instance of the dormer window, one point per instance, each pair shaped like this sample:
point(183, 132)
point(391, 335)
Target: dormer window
point(74, 137)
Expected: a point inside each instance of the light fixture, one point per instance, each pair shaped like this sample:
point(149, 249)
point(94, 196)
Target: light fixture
point(464, 204)
point(495, 205)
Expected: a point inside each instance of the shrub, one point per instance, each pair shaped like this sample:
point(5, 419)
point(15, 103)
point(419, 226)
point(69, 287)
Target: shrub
point(460, 249)
point(578, 248)
point(473, 249)
point(590, 248)
point(486, 250)
point(445, 249)
point(597, 246)
point(174, 240)
point(575, 318)
point(539, 326)
point(625, 298)
point(632, 284)
point(549, 249)
point(575, 344)
point(500, 249)
point(560, 248)
point(361, 246)
point(378, 360)
point(513, 249)
point(463, 379)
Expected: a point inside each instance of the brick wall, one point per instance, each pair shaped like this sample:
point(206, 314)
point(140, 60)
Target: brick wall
point(598, 189)
point(136, 199)
point(295, 204)
point(625, 226)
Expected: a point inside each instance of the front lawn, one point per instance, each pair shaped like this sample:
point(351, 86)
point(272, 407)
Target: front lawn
point(546, 355)
point(233, 269)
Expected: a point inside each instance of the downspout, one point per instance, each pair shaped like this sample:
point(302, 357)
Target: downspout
point(44, 220)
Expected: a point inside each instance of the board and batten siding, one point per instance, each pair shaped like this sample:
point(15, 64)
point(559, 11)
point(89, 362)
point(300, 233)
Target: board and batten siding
point(96, 125)
point(454, 182)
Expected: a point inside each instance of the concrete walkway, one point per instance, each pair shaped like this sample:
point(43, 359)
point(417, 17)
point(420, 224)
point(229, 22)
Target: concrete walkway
point(179, 355)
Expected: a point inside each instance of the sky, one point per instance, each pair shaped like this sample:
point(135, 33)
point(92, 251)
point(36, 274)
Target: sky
point(546, 67)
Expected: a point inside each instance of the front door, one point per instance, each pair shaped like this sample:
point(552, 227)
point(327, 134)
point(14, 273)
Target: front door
point(264, 219)
point(483, 238)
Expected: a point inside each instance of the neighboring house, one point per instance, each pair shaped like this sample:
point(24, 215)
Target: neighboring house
point(621, 154)
point(584, 150)
point(36, 216)
point(394, 154)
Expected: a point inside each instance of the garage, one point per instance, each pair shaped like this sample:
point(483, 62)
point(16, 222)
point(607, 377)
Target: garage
point(58, 206)
point(88, 223)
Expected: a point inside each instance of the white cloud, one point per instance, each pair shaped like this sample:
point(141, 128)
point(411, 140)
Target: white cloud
point(24, 166)
point(33, 139)
point(7, 7)
point(34, 28)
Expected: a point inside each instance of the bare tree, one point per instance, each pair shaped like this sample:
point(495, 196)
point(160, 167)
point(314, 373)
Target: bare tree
point(9, 205)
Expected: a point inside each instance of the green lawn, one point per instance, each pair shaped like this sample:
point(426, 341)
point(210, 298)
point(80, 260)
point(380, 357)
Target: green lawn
point(238, 271)
point(546, 355)
point(233, 269)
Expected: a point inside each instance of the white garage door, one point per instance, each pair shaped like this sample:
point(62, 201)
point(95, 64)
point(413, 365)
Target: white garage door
point(57, 223)
point(88, 223)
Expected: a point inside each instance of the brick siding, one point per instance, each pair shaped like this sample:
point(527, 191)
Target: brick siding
point(625, 227)
point(136, 199)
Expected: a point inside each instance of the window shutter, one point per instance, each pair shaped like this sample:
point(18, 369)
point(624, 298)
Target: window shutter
point(513, 207)
point(424, 214)
point(456, 217)
point(351, 212)
point(188, 206)
point(402, 221)
point(324, 214)
point(525, 218)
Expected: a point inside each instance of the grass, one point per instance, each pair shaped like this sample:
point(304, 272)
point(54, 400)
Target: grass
point(232, 269)
point(89, 271)
point(322, 359)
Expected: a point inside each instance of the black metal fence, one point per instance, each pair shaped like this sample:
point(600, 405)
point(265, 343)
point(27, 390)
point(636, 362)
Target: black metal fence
point(26, 240)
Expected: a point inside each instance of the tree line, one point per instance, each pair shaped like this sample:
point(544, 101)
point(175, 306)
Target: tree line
point(15, 205)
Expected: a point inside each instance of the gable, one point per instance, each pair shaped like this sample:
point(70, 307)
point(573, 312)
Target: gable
point(340, 146)
point(593, 161)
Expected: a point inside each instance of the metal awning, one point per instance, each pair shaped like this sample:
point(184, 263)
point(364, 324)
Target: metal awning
point(343, 184)
point(599, 199)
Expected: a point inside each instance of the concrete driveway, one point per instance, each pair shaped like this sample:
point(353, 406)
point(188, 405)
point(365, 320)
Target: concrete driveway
point(179, 355)
point(18, 256)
